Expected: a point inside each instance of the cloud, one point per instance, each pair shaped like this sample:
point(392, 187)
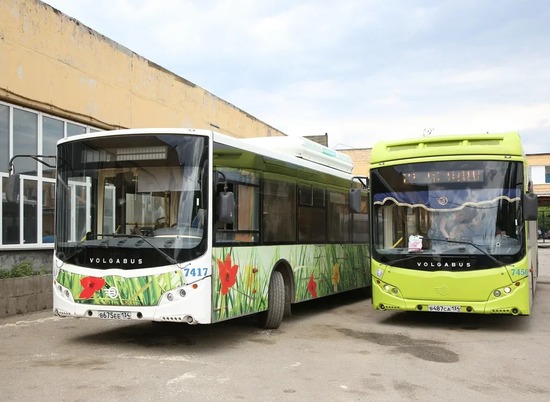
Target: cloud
point(357, 70)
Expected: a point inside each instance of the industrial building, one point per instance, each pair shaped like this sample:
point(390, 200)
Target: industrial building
point(59, 78)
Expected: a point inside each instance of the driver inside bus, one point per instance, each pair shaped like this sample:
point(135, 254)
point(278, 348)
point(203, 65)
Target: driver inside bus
point(159, 216)
point(460, 225)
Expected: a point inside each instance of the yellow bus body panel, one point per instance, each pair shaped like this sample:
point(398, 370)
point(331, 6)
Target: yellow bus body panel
point(472, 291)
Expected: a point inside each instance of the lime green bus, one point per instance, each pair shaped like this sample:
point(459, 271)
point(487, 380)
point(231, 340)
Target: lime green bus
point(453, 225)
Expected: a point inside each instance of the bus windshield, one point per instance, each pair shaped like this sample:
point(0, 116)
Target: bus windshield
point(455, 215)
point(132, 202)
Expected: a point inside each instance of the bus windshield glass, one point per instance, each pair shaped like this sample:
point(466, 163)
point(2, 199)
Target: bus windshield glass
point(465, 215)
point(132, 202)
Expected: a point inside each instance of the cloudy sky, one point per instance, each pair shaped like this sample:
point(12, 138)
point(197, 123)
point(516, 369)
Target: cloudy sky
point(359, 70)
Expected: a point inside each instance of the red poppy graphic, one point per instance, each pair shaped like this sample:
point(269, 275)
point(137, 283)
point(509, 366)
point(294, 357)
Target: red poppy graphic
point(91, 284)
point(312, 286)
point(228, 273)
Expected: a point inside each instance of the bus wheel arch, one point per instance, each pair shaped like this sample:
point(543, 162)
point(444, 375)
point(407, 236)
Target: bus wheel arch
point(279, 297)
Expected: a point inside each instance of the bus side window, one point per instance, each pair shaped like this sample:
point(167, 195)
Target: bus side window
point(245, 227)
point(279, 211)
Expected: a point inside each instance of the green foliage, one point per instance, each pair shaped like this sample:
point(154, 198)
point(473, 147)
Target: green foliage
point(23, 269)
point(544, 213)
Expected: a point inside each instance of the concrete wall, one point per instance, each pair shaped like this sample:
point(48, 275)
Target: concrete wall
point(41, 260)
point(52, 63)
point(24, 295)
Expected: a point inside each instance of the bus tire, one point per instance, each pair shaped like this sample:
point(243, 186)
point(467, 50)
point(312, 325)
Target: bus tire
point(273, 316)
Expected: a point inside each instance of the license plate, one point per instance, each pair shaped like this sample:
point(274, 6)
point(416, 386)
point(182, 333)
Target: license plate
point(444, 309)
point(115, 315)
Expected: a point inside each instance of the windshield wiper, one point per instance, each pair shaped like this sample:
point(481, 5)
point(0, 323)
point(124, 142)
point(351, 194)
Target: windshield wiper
point(144, 239)
point(410, 257)
point(78, 250)
point(500, 263)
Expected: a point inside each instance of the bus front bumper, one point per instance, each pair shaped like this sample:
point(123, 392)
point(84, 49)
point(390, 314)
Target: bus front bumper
point(512, 299)
point(187, 304)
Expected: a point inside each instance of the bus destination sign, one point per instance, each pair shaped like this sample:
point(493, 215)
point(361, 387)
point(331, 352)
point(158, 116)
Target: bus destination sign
point(444, 176)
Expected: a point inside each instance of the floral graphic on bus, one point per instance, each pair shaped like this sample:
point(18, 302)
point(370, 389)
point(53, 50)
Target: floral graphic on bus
point(241, 280)
point(115, 290)
point(228, 273)
point(312, 286)
point(335, 276)
point(91, 284)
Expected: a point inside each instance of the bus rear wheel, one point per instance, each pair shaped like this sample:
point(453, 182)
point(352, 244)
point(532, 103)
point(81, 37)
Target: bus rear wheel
point(273, 316)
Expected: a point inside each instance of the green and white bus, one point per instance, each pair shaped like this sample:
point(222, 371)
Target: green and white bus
point(453, 225)
point(193, 226)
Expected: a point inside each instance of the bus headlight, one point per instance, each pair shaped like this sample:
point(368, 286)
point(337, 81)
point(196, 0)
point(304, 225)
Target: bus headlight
point(379, 273)
point(507, 289)
point(496, 293)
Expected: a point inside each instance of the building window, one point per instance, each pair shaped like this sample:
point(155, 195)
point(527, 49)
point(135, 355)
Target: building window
point(4, 137)
point(48, 203)
point(547, 174)
point(30, 222)
point(75, 129)
point(52, 131)
point(25, 138)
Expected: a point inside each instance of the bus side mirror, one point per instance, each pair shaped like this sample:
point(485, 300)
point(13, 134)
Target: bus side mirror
point(530, 207)
point(355, 200)
point(12, 188)
point(226, 207)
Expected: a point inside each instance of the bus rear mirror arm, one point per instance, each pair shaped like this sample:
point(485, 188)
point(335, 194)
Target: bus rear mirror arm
point(530, 207)
point(226, 200)
point(355, 193)
point(226, 207)
point(14, 179)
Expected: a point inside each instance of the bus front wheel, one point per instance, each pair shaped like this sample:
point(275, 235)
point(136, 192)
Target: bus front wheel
point(273, 316)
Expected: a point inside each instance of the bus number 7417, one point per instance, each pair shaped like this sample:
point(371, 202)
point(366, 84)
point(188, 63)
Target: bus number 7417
point(195, 272)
